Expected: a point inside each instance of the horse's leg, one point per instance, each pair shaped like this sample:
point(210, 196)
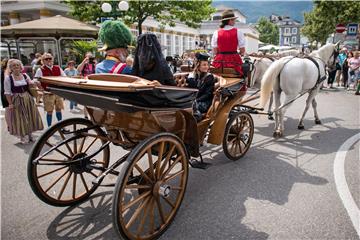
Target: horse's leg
point(314, 105)
point(308, 101)
point(270, 116)
point(277, 94)
point(286, 105)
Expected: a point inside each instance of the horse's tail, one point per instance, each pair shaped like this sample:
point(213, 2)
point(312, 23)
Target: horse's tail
point(269, 78)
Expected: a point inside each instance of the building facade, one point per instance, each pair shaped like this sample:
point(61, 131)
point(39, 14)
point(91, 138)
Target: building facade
point(174, 40)
point(289, 30)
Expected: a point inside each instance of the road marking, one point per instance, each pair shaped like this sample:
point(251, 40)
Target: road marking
point(341, 185)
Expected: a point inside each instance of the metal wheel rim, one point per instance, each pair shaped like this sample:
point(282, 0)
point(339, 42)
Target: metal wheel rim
point(148, 202)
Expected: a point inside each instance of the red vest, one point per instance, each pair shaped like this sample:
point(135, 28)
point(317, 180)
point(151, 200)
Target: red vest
point(227, 40)
point(227, 56)
point(55, 71)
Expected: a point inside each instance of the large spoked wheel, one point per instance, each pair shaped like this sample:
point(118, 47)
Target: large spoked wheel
point(150, 188)
point(56, 181)
point(238, 135)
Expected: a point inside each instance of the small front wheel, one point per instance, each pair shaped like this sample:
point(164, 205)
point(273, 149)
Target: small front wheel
point(238, 135)
point(150, 187)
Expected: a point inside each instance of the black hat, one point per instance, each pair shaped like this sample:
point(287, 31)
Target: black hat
point(227, 15)
point(202, 56)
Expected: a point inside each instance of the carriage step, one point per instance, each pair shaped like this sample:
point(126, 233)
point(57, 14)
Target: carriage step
point(199, 164)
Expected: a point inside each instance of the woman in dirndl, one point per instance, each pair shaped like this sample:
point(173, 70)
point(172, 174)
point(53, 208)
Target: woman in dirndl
point(22, 116)
point(225, 43)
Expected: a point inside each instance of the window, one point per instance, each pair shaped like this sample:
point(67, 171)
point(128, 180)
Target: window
point(293, 39)
point(158, 36)
point(177, 45)
point(286, 40)
point(184, 43)
point(8, 49)
point(294, 31)
point(190, 43)
point(168, 44)
point(287, 30)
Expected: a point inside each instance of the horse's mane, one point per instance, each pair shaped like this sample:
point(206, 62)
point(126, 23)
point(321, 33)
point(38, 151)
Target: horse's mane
point(149, 62)
point(323, 52)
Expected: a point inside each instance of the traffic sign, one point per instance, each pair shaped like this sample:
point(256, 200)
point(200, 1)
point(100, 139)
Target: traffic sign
point(340, 28)
point(352, 29)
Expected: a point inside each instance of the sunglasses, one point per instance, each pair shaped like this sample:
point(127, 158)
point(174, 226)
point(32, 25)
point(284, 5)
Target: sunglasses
point(47, 59)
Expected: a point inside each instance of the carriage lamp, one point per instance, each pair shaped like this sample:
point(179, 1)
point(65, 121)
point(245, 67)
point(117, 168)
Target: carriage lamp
point(106, 7)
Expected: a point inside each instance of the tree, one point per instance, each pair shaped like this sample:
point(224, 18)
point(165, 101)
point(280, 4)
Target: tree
point(166, 12)
point(322, 20)
point(269, 32)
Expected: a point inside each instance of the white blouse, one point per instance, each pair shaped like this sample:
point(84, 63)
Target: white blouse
point(17, 83)
point(240, 37)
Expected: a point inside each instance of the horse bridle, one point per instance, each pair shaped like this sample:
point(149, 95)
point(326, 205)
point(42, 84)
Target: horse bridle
point(254, 67)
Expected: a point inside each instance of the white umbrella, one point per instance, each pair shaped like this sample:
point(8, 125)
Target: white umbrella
point(268, 47)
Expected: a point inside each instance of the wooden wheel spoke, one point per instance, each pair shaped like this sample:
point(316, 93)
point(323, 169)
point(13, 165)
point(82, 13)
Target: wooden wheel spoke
point(83, 181)
point(151, 166)
point(240, 149)
point(88, 147)
point(177, 188)
point(51, 160)
point(66, 144)
point(82, 144)
point(64, 186)
point(152, 216)
point(55, 170)
point(74, 186)
point(56, 181)
point(142, 221)
point(167, 159)
point(139, 198)
point(160, 157)
point(143, 173)
point(75, 140)
point(137, 186)
point(169, 202)
point(161, 212)
point(56, 149)
point(93, 174)
point(172, 166)
point(137, 213)
point(173, 176)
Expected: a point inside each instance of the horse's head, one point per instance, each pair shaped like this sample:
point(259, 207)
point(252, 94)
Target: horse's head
point(258, 69)
point(329, 53)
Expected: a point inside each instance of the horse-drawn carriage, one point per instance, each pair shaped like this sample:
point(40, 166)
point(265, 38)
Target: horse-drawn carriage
point(155, 125)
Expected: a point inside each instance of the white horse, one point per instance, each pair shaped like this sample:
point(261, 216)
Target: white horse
point(296, 76)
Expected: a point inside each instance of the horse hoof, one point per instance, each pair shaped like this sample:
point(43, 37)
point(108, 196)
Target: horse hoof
point(271, 118)
point(277, 134)
point(317, 121)
point(301, 127)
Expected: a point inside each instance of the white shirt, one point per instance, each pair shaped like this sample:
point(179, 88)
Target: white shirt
point(17, 83)
point(39, 74)
point(240, 37)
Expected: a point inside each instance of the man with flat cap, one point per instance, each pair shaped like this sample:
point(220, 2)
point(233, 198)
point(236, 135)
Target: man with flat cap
point(116, 38)
point(225, 43)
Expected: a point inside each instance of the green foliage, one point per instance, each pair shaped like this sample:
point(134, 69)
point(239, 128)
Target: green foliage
point(166, 12)
point(322, 20)
point(80, 48)
point(269, 32)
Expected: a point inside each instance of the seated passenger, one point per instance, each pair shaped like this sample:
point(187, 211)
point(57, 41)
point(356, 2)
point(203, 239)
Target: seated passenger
point(149, 62)
point(201, 79)
point(116, 38)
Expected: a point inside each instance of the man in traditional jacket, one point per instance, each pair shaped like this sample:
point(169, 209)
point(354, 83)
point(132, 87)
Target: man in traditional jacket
point(225, 43)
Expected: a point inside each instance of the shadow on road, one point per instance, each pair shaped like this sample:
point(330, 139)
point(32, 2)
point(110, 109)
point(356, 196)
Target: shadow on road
point(88, 220)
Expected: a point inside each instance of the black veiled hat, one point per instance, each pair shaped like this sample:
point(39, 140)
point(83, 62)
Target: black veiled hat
point(202, 56)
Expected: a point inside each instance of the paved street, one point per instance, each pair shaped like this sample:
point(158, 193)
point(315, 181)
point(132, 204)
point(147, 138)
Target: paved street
point(281, 189)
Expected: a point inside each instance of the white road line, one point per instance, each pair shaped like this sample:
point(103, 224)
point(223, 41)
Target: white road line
point(341, 185)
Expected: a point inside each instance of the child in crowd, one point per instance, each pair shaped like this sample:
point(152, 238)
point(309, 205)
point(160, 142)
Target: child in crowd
point(71, 71)
point(201, 79)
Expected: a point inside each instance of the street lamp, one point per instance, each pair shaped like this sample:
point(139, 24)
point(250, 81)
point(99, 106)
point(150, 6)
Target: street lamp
point(123, 6)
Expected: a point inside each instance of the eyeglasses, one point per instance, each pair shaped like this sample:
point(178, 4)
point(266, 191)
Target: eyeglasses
point(47, 59)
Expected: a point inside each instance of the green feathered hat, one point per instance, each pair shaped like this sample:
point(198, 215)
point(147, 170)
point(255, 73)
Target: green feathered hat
point(114, 34)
